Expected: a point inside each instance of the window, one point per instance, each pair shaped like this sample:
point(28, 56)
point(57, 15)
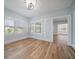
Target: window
point(9, 30)
point(18, 30)
point(36, 27)
point(32, 27)
point(19, 26)
point(9, 23)
point(9, 26)
point(62, 28)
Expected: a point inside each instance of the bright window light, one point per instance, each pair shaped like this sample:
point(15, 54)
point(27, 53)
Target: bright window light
point(62, 28)
point(18, 30)
point(9, 30)
point(32, 27)
point(9, 23)
point(9, 26)
point(38, 27)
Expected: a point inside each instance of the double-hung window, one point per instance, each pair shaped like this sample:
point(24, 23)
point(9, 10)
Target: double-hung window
point(9, 26)
point(36, 27)
point(13, 26)
point(19, 26)
point(33, 27)
point(18, 29)
point(63, 28)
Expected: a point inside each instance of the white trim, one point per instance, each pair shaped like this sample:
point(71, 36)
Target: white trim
point(69, 29)
point(10, 41)
point(69, 26)
point(52, 30)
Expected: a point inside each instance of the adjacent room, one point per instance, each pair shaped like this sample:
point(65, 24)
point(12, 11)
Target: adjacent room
point(39, 29)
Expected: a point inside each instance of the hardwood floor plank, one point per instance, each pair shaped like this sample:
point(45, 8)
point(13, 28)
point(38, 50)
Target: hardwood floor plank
point(38, 49)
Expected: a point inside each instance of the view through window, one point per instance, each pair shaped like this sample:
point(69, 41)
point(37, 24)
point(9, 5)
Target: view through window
point(36, 27)
point(11, 28)
point(63, 28)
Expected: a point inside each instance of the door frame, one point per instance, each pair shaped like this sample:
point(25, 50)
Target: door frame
point(69, 26)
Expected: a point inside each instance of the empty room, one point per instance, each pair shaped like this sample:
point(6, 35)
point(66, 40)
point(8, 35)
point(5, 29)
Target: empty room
point(39, 29)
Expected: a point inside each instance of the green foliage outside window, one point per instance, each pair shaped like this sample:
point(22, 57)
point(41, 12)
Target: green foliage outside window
point(18, 30)
point(9, 30)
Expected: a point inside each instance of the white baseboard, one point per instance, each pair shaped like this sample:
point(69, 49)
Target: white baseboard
point(41, 39)
point(13, 40)
point(73, 45)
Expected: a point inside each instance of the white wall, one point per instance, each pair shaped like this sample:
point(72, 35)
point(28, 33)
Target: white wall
point(73, 24)
point(47, 24)
point(46, 29)
point(19, 21)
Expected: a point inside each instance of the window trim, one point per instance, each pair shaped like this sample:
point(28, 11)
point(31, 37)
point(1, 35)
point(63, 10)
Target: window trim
point(34, 28)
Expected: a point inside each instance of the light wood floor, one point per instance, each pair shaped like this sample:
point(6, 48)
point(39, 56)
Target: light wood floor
point(37, 49)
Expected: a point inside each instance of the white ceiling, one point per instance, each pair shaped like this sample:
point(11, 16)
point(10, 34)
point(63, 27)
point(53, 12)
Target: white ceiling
point(42, 6)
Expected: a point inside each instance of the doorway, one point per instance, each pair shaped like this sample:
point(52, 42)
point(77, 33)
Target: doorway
point(61, 30)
